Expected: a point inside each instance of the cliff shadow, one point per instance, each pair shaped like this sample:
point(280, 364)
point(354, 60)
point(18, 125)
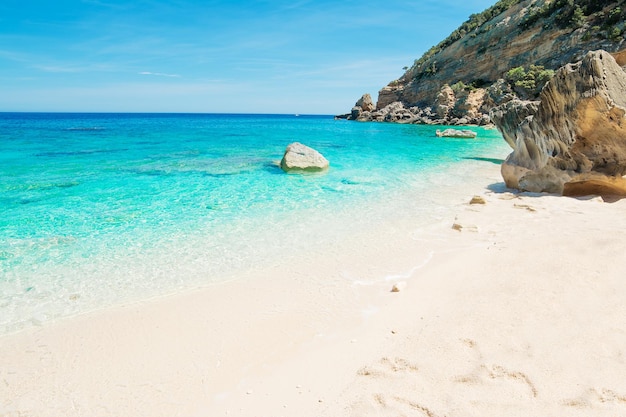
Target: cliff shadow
point(501, 188)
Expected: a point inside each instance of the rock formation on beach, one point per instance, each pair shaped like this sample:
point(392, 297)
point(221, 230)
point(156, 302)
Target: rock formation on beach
point(573, 140)
point(301, 158)
point(509, 50)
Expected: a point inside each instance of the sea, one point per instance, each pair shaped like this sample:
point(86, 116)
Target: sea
point(98, 210)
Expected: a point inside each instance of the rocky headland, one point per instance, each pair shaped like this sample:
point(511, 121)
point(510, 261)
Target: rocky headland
point(548, 73)
point(508, 51)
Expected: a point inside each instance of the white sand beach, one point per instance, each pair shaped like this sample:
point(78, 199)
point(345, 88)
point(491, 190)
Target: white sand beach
point(520, 312)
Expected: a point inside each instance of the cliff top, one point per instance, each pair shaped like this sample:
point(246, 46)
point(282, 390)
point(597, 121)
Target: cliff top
point(508, 35)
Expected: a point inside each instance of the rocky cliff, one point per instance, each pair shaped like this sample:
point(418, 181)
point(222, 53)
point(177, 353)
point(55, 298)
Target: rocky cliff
point(510, 49)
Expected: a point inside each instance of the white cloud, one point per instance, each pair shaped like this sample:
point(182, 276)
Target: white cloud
point(159, 74)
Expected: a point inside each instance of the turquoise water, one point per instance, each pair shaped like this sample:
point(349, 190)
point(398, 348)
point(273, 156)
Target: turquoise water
point(99, 209)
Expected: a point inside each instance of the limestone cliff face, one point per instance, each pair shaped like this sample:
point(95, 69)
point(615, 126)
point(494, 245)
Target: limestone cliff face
point(574, 135)
point(512, 33)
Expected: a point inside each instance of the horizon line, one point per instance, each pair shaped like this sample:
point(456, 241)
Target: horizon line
point(166, 112)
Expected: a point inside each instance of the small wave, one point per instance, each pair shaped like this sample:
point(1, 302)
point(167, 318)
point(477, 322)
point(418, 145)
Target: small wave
point(412, 271)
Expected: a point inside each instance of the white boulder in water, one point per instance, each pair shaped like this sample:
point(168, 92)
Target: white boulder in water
point(454, 133)
point(301, 158)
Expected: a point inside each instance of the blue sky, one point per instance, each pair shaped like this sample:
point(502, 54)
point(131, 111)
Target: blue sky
point(299, 56)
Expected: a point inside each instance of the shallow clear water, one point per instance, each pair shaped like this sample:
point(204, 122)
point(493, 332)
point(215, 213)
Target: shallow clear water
point(97, 209)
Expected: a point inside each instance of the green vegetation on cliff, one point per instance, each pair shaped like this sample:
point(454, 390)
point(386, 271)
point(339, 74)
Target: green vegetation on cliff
point(605, 16)
point(528, 82)
point(475, 21)
point(602, 19)
point(519, 41)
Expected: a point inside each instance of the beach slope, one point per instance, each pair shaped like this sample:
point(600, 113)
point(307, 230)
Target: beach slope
point(517, 310)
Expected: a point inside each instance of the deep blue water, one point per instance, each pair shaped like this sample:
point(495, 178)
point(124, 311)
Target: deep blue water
point(101, 208)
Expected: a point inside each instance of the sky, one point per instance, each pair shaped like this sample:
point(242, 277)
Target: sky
point(212, 56)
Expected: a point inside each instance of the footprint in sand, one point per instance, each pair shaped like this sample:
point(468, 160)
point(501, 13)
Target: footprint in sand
point(496, 371)
point(388, 366)
point(593, 397)
point(484, 373)
point(508, 196)
point(525, 207)
point(396, 386)
point(391, 406)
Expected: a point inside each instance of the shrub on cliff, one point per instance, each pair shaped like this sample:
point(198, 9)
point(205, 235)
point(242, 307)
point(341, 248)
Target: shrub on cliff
point(574, 14)
point(528, 83)
point(474, 22)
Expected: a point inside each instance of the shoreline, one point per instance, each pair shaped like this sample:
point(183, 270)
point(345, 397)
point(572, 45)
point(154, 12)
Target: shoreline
point(489, 322)
point(149, 263)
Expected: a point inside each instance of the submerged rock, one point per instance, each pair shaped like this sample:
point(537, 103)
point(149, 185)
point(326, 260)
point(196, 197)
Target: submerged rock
point(578, 127)
point(301, 158)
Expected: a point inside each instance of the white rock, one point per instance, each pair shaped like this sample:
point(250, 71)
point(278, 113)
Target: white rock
point(301, 158)
point(454, 133)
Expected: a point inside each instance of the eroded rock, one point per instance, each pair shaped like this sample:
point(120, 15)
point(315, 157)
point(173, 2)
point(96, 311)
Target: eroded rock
point(469, 104)
point(590, 184)
point(577, 127)
point(366, 103)
point(445, 101)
